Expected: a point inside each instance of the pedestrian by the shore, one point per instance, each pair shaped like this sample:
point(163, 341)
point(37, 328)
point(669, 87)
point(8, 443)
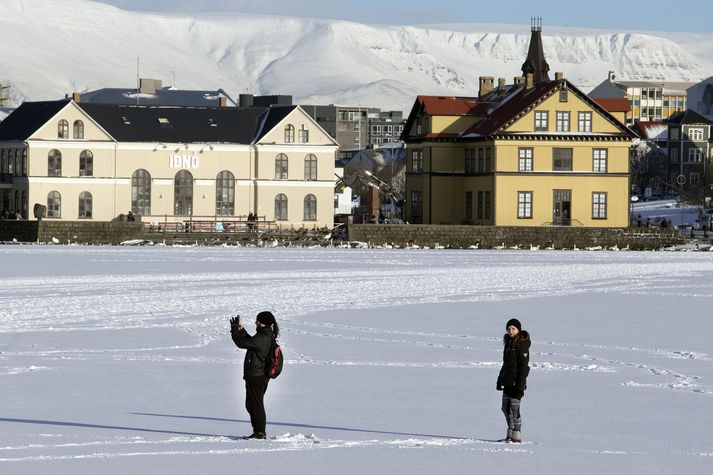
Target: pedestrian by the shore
point(254, 366)
point(512, 380)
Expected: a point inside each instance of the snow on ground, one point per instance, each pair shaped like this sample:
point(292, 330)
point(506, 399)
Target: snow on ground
point(118, 360)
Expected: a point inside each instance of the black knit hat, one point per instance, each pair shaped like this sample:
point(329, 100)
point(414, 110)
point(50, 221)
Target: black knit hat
point(514, 322)
point(266, 318)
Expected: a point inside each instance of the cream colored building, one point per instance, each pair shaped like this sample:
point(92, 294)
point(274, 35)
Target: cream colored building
point(167, 164)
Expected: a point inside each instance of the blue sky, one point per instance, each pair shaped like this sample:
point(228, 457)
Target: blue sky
point(620, 15)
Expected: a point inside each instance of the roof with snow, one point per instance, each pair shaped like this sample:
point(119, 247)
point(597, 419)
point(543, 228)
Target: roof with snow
point(652, 130)
point(688, 116)
point(165, 96)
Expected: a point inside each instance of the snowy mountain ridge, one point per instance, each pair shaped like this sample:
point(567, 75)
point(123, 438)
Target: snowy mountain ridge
point(50, 51)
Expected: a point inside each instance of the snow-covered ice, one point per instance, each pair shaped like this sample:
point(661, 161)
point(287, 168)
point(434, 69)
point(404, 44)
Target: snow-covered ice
point(119, 360)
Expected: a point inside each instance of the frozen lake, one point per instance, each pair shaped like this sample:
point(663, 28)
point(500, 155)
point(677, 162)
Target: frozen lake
point(119, 360)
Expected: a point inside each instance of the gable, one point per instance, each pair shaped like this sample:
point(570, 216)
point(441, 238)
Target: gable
point(574, 105)
point(297, 118)
point(71, 112)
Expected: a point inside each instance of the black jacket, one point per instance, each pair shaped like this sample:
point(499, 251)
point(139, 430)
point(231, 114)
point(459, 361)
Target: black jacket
point(516, 358)
point(258, 347)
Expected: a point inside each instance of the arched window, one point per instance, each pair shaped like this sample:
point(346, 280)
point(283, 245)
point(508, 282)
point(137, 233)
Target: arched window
point(63, 129)
point(225, 194)
point(3, 160)
point(78, 129)
point(24, 204)
point(24, 162)
point(54, 204)
point(86, 163)
point(310, 208)
point(183, 193)
point(85, 204)
point(281, 167)
point(16, 205)
point(12, 157)
point(310, 167)
point(141, 193)
point(54, 163)
point(280, 207)
point(289, 133)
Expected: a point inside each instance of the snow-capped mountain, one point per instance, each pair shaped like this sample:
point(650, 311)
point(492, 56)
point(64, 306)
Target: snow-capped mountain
point(51, 48)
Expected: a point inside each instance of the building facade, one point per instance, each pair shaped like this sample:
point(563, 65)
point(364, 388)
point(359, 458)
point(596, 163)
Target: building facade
point(649, 100)
point(689, 150)
point(532, 153)
point(167, 164)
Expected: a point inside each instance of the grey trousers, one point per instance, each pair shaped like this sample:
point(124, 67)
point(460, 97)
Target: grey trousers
point(511, 409)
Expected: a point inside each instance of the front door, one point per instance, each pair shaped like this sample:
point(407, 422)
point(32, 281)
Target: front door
point(562, 208)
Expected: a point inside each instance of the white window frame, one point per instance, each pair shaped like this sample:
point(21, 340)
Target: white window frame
point(599, 160)
point(524, 205)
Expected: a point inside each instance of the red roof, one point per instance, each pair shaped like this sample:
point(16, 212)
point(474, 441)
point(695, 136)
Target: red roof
point(445, 105)
point(613, 104)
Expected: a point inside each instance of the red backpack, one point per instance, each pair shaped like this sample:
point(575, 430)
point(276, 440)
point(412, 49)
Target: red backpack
point(274, 361)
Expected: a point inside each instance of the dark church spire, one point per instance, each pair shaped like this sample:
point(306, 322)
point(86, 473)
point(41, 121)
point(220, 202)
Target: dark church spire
point(535, 63)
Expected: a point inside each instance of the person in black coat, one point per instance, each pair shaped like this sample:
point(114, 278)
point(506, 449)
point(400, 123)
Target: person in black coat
point(512, 380)
point(254, 372)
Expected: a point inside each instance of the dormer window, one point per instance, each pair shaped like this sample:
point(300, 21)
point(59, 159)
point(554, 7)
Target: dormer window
point(164, 123)
point(125, 120)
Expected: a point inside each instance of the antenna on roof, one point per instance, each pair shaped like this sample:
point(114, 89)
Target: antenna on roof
point(137, 81)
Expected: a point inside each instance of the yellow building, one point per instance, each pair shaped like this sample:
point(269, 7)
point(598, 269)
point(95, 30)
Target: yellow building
point(167, 164)
point(533, 153)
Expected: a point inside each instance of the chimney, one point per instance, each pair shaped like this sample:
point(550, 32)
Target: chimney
point(222, 101)
point(245, 100)
point(611, 76)
point(486, 85)
point(149, 86)
point(559, 76)
point(501, 84)
point(76, 96)
point(529, 81)
point(518, 80)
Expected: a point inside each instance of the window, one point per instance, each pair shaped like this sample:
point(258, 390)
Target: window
point(54, 163)
point(63, 129)
point(417, 161)
point(86, 163)
point(694, 154)
point(310, 208)
point(85, 204)
point(694, 178)
point(524, 205)
point(599, 205)
point(280, 207)
point(24, 162)
point(3, 160)
point(469, 205)
point(23, 210)
point(304, 134)
point(388, 130)
point(695, 134)
point(480, 205)
point(225, 194)
point(376, 129)
point(78, 129)
point(11, 161)
point(674, 154)
point(416, 207)
point(585, 122)
point(563, 95)
point(487, 205)
point(281, 167)
point(525, 159)
point(488, 159)
point(183, 193)
point(289, 133)
point(310, 167)
point(141, 193)
point(481, 160)
point(54, 204)
point(541, 121)
point(419, 125)
point(562, 121)
point(674, 133)
point(562, 159)
point(469, 161)
point(599, 159)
